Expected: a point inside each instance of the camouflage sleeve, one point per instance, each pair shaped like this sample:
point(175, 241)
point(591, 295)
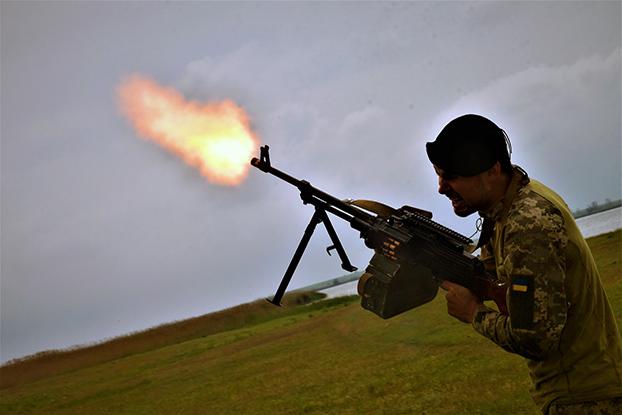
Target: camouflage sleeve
point(533, 264)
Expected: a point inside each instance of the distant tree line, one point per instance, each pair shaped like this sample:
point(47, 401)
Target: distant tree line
point(596, 207)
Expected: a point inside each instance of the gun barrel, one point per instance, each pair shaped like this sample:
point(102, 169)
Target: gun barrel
point(312, 194)
point(267, 168)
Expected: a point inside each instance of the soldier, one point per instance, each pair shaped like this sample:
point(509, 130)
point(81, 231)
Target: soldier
point(560, 319)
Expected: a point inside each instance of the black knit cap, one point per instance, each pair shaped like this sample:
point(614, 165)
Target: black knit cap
point(468, 145)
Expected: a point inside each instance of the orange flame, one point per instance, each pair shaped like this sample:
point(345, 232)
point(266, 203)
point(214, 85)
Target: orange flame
point(214, 137)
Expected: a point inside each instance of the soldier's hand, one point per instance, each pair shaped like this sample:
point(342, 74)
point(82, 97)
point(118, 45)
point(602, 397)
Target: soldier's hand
point(461, 302)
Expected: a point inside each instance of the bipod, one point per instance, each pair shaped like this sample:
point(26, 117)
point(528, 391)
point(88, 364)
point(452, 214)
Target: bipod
point(319, 216)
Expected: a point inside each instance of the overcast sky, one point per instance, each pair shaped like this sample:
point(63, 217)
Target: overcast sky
point(103, 233)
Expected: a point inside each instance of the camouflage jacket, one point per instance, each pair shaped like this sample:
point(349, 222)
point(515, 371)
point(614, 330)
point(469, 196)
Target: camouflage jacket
point(559, 317)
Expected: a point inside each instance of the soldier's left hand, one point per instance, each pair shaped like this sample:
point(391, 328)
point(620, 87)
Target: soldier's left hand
point(461, 302)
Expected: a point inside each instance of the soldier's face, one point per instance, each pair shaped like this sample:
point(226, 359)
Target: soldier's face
point(467, 194)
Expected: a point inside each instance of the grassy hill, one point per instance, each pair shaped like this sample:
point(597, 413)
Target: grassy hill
point(329, 357)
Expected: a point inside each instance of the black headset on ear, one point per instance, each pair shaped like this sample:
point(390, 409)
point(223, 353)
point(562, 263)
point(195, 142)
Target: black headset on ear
point(508, 143)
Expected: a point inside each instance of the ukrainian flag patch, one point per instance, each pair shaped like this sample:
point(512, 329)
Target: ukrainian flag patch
point(520, 285)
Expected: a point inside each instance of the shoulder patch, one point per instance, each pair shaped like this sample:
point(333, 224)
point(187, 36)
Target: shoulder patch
point(522, 303)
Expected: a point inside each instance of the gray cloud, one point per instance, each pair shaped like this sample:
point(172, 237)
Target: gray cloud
point(556, 116)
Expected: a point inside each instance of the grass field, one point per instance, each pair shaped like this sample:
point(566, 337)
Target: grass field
point(330, 357)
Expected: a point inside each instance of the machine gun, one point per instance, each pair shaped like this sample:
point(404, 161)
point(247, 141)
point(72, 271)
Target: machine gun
point(413, 254)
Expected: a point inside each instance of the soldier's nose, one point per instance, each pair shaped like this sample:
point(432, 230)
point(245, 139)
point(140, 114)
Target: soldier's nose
point(443, 187)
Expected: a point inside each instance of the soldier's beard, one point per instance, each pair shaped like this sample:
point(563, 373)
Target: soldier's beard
point(460, 206)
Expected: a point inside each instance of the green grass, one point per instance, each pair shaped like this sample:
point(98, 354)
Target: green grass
point(53, 362)
point(330, 357)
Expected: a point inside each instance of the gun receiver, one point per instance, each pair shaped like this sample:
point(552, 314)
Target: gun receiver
point(413, 254)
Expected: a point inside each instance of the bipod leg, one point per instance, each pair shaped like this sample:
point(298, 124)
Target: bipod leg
point(315, 219)
point(345, 262)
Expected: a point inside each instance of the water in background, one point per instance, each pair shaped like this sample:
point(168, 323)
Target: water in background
point(600, 223)
point(592, 225)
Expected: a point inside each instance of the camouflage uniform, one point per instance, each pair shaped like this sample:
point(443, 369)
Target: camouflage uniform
point(559, 317)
